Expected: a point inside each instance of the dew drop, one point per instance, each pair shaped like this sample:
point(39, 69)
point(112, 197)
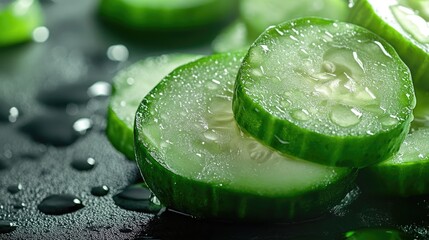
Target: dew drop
point(388, 121)
point(136, 198)
point(40, 34)
point(345, 116)
point(13, 189)
point(125, 230)
point(7, 226)
point(63, 95)
point(56, 129)
point(118, 53)
point(8, 113)
point(60, 204)
point(83, 164)
point(100, 191)
point(301, 114)
point(211, 135)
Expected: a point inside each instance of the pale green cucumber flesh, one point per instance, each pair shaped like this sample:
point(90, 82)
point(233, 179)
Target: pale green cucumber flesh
point(166, 14)
point(18, 19)
point(233, 37)
point(196, 160)
point(325, 91)
point(404, 24)
point(406, 173)
point(129, 87)
point(258, 15)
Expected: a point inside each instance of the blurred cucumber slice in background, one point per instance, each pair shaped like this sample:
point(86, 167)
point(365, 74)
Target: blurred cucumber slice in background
point(260, 14)
point(404, 24)
point(18, 19)
point(166, 14)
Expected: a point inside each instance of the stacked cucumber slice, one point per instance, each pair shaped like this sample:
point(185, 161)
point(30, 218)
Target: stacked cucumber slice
point(404, 24)
point(18, 19)
point(129, 88)
point(405, 174)
point(188, 145)
point(305, 89)
point(166, 14)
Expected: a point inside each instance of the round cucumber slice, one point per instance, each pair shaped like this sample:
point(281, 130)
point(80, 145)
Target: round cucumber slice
point(166, 14)
point(405, 174)
point(258, 15)
point(232, 38)
point(18, 19)
point(325, 91)
point(196, 160)
point(130, 86)
point(404, 24)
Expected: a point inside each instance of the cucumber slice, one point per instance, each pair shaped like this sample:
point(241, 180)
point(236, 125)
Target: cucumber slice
point(325, 91)
point(405, 174)
point(196, 160)
point(258, 15)
point(166, 14)
point(18, 19)
point(130, 86)
point(421, 112)
point(234, 37)
point(404, 25)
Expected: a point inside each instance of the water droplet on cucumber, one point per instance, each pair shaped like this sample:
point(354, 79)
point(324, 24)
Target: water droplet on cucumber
point(344, 116)
point(301, 114)
point(388, 121)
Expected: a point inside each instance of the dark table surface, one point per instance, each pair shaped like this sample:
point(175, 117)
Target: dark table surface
point(47, 83)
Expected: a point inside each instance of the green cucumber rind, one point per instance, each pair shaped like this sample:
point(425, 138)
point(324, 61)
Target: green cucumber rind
point(210, 201)
point(148, 18)
point(341, 151)
point(119, 134)
point(17, 29)
point(414, 55)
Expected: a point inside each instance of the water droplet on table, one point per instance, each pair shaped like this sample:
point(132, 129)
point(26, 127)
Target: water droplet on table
point(137, 198)
point(118, 53)
point(60, 204)
point(7, 226)
point(100, 191)
point(40, 34)
point(74, 94)
point(83, 164)
point(56, 129)
point(13, 189)
point(8, 113)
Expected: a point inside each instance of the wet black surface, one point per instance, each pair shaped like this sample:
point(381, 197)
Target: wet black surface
point(46, 153)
